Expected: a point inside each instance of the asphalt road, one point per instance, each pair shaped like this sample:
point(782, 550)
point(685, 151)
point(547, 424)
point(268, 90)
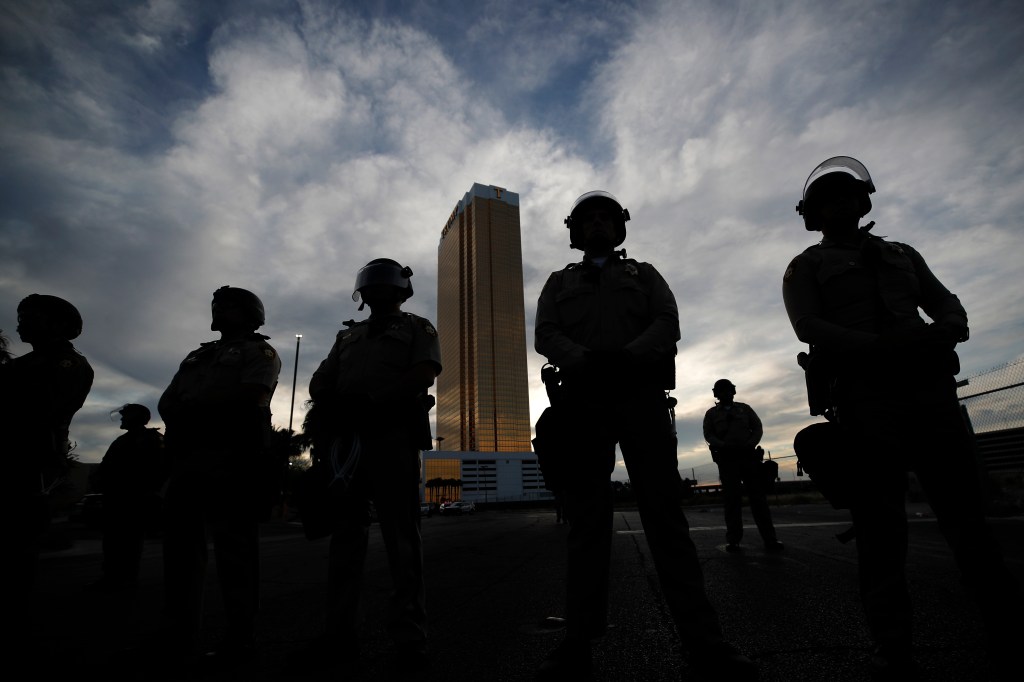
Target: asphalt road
point(494, 578)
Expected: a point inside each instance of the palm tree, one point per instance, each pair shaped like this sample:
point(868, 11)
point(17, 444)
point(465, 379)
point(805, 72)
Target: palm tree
point(450, 487)
point(431, 489)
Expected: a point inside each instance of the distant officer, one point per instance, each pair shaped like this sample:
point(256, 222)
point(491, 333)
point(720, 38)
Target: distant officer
point(5, 353)
point(40, 392)
point(374, 385)
point(886, 377)
point(129, 477)
point(733, 431)
point(611, 324)
point(217, 414)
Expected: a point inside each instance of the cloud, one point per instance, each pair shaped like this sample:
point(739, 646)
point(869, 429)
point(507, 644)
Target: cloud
point(717, 113)
point(176, 147)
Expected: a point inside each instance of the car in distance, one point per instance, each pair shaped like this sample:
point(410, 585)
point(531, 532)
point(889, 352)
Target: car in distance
point(88, 511)
point(460, 507)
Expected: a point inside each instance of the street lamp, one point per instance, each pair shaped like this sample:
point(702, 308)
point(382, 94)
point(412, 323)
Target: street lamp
point(439, 439)
point(295, 377)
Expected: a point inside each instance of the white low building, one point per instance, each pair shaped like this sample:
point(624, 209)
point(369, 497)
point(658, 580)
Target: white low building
point(482, 477)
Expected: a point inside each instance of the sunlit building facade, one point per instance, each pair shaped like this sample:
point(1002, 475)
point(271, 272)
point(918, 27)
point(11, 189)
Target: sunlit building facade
point(482, 477)
point(482, 394)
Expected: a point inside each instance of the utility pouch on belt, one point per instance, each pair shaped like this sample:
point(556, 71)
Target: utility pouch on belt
point(553, 433)
point(826, 456)
point(818, 376)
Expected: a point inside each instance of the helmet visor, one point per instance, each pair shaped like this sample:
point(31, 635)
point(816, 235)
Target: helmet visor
point(598, 197)
point(382, 273)
point(844, 164)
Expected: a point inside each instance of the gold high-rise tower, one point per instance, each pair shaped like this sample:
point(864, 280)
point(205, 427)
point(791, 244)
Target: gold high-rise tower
point(483, 400)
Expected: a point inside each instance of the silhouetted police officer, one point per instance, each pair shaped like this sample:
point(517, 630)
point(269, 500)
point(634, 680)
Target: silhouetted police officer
point(217, 414)
point(374, 385)
point(733, 430)
point(129, 477)
point(40, 392)
point(611, 324)
point(5, 353)
point(888, 383)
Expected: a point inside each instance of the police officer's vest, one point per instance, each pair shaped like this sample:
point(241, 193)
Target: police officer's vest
point(663, 375)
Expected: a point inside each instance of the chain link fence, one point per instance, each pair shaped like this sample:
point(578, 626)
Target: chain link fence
point(995, 399)
point(994, 404)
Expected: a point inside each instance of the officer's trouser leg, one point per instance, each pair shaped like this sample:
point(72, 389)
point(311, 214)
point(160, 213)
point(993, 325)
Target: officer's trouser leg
point(732, 494)
point(881, 524)
point(872, 417)
point(397, 501)
point(185, 559)
point(345, 563)
point(588, 507)
point(116, 538)
point(28, 517)
point(124, 533)
point(759, 501)
point(946, 476)
point(658, 488)
point(236, 548)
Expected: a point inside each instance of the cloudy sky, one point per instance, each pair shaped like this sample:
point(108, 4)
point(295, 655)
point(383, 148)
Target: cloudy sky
point(151, 152)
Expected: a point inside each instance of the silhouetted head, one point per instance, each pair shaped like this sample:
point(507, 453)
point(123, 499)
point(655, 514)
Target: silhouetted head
point(724, 389)
point(235, 308)
point(383, 279)
point(838, 188)
point(133, 415)
point(44, 318)
point(597, 223)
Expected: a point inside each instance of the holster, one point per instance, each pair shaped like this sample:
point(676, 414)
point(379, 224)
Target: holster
point(553, 433)
point(819, 377)
point(552, 447)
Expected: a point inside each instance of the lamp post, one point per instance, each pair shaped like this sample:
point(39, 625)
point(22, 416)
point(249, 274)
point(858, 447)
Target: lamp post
point(295, 377)
point(439, 439)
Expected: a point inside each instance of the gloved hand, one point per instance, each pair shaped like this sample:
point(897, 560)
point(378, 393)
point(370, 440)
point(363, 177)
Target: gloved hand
point(610, 363)
point(950, 333)
point(922, 338)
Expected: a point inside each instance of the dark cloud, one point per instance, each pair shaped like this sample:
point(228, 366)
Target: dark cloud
point(155, 152)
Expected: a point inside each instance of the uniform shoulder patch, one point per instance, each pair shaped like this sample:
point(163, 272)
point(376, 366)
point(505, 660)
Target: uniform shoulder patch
point(427, 326)
point(269, 352)
point(791, 269)
point(422, 322)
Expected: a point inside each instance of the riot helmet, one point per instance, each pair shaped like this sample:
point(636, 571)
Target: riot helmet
point(722, 386)
point(133, 412)
point(837, 177)
point(384, 271)
point(590, 200)
point(52, 315)
point(243, 300)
